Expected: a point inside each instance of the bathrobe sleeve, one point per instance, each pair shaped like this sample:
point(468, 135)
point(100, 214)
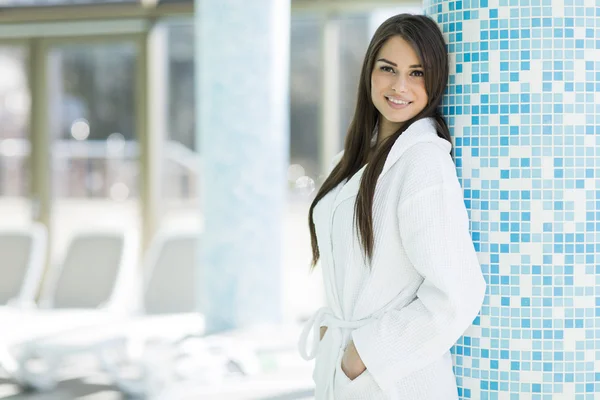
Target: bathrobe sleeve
point(434, 230)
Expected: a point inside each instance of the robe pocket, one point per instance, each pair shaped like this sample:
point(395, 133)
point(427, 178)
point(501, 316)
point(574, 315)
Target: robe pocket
point(343, 378)
point(362, 387)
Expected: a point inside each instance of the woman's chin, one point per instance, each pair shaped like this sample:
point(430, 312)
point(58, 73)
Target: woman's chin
point(395, 119)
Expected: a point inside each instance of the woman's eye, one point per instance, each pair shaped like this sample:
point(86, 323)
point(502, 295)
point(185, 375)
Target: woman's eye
point(417, 73)
point(385, 68)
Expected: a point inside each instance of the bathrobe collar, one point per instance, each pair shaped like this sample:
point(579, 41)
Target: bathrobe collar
point(422, 130)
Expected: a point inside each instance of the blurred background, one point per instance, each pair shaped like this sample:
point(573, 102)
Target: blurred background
point(74, 83)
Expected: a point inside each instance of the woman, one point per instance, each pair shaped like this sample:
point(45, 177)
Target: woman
point(390, 227)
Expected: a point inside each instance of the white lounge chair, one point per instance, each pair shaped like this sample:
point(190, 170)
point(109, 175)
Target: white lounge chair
point(93, 285)
point(98, 271)
point(22, 257)
point(167, 314)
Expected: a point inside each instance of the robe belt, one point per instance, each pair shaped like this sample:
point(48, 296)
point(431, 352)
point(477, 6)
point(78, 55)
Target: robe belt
point(326, 317)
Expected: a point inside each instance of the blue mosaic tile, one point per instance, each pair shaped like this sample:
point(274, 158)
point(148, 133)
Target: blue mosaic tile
point(523, 106)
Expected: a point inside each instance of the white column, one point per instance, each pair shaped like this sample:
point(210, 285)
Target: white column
point(151, 111)
point(41, 142)
point(242, 60)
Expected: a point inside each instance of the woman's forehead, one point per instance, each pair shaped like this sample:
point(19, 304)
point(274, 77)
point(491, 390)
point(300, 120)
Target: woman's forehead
point(398, 51)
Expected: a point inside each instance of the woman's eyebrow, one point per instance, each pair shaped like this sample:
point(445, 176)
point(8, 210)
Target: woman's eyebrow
point(395, 65)
point(387, 61)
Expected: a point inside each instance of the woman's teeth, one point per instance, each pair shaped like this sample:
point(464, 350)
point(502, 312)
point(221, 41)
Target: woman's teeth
point(395, 101)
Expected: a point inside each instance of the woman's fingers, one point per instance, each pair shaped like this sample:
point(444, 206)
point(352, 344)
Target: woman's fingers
point(323, 330)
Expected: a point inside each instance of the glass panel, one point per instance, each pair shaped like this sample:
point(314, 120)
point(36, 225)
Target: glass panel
point(14, 136)
point(306, 70)
point(354, 39)
point(181, 84)
point(305, 95)
point(181, 153)
point(95, 154)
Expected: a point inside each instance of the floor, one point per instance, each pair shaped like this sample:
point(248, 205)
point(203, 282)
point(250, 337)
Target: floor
point(281, 375)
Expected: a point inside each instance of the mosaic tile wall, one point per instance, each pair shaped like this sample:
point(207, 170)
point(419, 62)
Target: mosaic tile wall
point(524, 108)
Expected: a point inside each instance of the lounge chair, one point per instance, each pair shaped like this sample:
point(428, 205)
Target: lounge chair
point(93, 285)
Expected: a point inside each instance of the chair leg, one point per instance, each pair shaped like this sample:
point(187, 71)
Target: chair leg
point(8, 362)
point(29, 379)
point(113, 356)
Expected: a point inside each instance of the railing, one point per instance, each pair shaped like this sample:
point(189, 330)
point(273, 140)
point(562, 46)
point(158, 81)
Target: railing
point(109, 169)
point(98, 169)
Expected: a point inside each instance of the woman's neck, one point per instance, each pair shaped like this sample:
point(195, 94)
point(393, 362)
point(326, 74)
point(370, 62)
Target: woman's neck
point(386, 129)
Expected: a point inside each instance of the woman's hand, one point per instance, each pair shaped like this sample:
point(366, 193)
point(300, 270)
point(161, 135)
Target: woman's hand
point(323, 330)
point(352, 364)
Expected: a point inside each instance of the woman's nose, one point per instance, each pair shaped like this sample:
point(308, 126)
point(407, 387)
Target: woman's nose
point(400, 84)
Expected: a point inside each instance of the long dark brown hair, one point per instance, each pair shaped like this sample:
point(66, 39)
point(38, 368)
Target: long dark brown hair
point(422, 33)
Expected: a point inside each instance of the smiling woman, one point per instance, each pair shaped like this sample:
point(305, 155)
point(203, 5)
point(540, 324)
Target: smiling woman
point(390, 228)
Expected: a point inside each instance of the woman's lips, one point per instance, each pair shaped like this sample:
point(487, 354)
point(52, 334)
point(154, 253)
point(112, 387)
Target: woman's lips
point(396, 105)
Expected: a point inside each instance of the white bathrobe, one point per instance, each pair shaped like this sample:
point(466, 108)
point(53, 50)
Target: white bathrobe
point(422, 290)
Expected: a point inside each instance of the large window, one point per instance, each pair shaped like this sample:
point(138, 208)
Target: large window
point(95, 152)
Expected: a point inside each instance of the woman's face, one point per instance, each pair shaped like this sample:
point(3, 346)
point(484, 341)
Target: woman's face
point(398, 83)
